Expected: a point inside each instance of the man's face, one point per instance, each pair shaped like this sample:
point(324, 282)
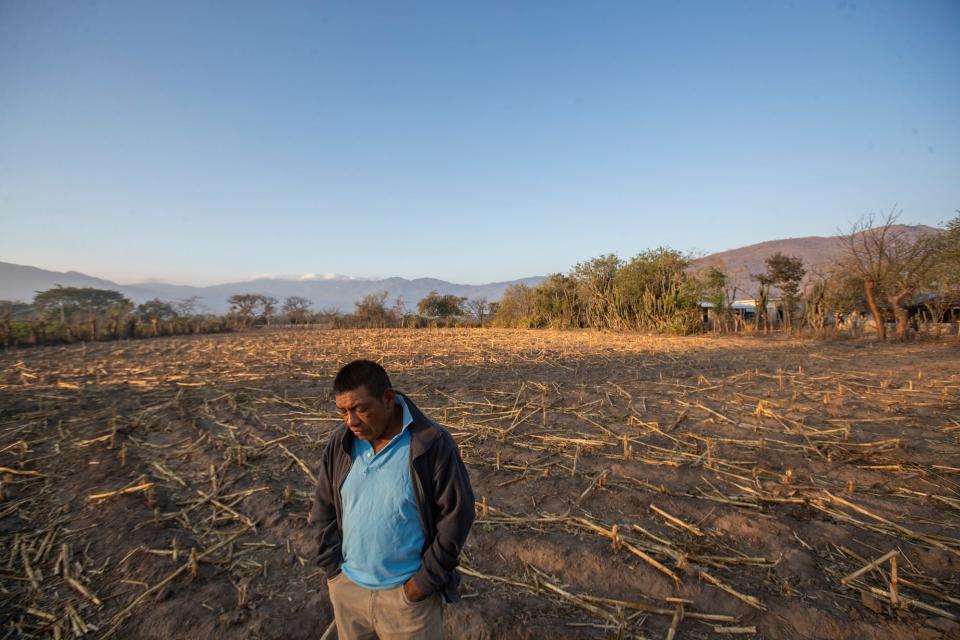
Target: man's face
point(366, 415)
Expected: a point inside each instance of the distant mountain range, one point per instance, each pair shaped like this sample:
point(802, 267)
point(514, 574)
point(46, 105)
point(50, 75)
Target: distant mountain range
point(818, 253)
point(19, 282)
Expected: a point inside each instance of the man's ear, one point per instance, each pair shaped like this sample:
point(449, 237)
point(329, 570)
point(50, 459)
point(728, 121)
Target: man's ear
point(389, 397)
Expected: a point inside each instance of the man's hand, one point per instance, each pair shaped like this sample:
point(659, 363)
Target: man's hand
point(413, 592)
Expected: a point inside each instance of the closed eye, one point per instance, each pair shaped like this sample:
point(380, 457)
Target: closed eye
point(360, 409)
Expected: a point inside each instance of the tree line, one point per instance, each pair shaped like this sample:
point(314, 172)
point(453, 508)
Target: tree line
point(653, 291)
point(73, 314)
point(887, 275)
point(373, 310)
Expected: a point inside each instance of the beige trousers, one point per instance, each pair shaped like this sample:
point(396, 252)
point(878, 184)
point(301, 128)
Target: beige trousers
point(387, 614)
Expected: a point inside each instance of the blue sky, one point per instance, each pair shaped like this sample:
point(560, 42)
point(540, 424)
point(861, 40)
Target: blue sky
point(206, 141)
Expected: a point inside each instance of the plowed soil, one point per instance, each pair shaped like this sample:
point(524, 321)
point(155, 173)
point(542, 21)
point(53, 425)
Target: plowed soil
point(725, 487)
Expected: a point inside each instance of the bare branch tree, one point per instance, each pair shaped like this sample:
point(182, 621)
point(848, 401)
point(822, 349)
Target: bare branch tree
point(243, 307)
point(399, 310)
point(892, 265)
point(478, 307)
point(297, 308)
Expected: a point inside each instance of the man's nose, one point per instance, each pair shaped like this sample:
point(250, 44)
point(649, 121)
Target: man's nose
point(351, 419)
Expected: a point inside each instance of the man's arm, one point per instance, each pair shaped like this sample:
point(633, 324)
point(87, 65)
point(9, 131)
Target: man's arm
point(323, 515)
point(454, 497)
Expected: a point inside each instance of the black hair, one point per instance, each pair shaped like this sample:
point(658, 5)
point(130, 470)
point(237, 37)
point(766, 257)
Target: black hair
point(362, 373)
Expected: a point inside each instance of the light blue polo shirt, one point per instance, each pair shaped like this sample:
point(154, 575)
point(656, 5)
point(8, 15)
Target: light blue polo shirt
point(382, 534)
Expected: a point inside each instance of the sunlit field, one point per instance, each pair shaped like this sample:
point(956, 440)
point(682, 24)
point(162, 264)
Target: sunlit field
point(625, 484)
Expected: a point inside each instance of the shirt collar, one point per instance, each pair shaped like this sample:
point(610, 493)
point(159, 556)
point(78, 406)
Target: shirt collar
point(407, 417)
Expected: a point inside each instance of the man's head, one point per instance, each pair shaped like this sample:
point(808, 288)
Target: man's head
point(365, 398)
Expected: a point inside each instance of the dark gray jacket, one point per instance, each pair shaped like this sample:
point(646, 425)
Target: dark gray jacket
point(444, 500)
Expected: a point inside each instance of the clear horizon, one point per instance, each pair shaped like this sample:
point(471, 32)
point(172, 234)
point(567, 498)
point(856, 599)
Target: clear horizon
point(197, 143)
point(342, 276)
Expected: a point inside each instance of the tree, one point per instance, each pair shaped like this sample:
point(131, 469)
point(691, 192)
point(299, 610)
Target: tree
point(9, 311)
point(435, 305)
point(119, 319)
point(596, 283)
point(844, 295)
point(371, 310)
point(189, 310)
point(297, 309)
point(761, 301)
point(187, 306)
point(243, 307)
point(714, 281)
point(892, 265)
point(399, 310)
point(949, 247)
point(556, 303)
point(38, 328)
point(653, 291)
point(785, 273)
point(154, 312)
point(78, 304)
point(944, 286)
point(911, 261)
point(328, 317)
point(815, 307)
point(478, 307)
point(268, 306)
point(515, 308)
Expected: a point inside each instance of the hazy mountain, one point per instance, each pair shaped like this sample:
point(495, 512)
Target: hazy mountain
point(818, 254)
point(328, 290)
point(19, 282)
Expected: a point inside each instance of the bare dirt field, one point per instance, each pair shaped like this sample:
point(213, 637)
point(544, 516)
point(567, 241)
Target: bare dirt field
point(627, 486)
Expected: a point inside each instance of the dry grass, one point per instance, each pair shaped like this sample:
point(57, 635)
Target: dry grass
point(627, 486)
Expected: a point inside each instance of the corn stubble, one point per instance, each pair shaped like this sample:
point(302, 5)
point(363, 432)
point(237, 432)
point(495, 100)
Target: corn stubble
point(627, 486)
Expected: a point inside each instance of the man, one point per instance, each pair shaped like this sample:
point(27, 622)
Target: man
point(393, 508)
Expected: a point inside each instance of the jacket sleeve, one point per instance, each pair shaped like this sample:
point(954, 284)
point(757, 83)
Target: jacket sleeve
point(455, 507)
point(323, 515)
